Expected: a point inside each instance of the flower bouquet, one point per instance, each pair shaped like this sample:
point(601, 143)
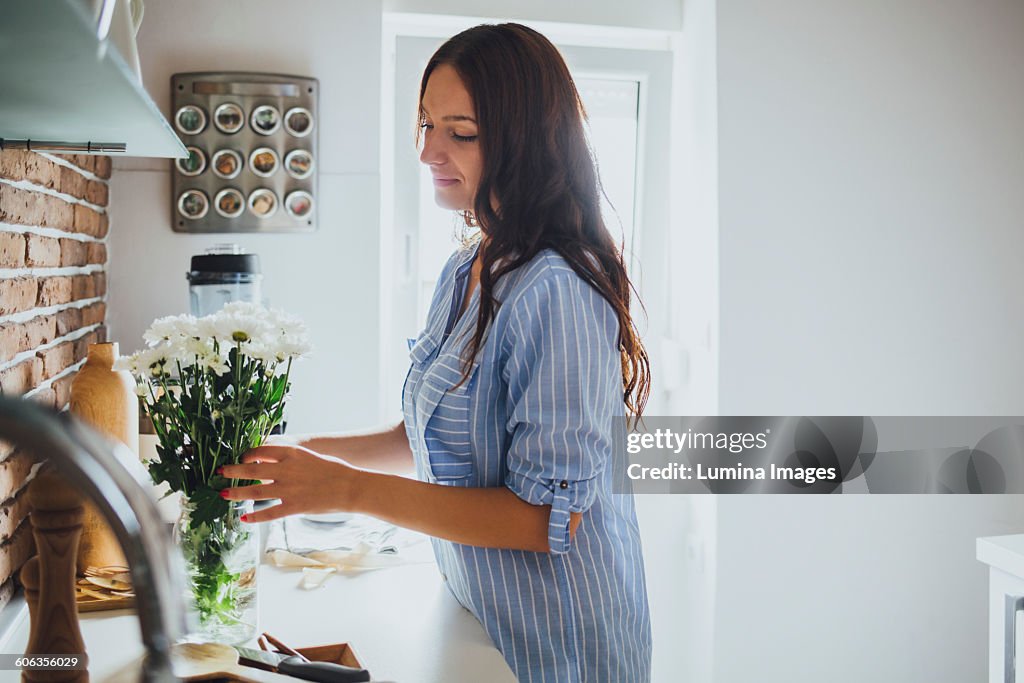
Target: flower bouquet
point(215, 387)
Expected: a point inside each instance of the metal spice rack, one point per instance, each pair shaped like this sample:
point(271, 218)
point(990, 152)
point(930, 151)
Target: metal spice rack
point(253, 152)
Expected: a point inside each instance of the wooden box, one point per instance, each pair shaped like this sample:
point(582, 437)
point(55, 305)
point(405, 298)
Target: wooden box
point(339, 653)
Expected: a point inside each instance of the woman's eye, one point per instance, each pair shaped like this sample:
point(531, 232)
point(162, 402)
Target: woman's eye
point(455, 136)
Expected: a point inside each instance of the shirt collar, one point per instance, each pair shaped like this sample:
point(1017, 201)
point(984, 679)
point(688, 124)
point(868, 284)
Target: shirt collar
point(466, 262)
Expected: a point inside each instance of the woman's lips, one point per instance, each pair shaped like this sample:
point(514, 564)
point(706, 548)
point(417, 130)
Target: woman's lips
point(444, 182)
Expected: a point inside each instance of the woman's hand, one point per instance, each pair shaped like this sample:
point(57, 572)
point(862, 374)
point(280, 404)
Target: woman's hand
point(282, 440)
point(307, 481)
point(304, 480)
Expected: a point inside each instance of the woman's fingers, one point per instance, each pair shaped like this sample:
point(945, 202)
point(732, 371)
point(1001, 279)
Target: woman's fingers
point(253, 460)
point(267, 514)
point(254, 492)
point(268, 454)
point(253, 470)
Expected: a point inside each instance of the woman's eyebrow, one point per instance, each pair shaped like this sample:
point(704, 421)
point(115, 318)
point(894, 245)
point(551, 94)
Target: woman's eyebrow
point(450, 117)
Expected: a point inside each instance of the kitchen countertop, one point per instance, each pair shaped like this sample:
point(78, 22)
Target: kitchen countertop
point(403, 623)
point(1003, 552)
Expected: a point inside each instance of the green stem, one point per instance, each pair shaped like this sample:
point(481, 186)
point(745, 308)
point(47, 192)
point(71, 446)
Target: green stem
point(196, 446)
point(280, 404)
point(158, 425)
point(198, 377)
point(238, 403)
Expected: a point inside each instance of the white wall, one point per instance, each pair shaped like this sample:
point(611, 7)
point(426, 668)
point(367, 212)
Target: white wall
point(693, 250)
point(693, 284)
point(871, 160)
point(328, 277)
point(871, 163)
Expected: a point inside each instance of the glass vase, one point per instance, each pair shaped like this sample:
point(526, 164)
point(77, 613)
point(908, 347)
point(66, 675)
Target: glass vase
point(221, 560)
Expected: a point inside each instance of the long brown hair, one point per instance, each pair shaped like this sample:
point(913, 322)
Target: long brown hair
point(539, 168)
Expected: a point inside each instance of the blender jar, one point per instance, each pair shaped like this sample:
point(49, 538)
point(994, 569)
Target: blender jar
point(224, 273)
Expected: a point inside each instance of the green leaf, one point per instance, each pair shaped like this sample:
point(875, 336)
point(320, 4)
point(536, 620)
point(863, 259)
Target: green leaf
point(209, 506)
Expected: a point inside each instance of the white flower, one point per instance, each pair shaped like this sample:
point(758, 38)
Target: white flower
point(198, 346)
point(285, 323)
point(279, 349)
point(244, 308)
point(215, 362)
point(169, 329)
point(129, 363)
point(141, 390)
point(268, 336)
point(205, 328)
point(153, 361)
point(261, 351)
point(197, 351)
point(294, 346)
point(232, 328)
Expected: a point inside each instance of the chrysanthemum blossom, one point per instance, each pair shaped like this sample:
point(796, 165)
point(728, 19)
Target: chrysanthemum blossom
point(169, 329)
point(268, 336)
point(240, 327)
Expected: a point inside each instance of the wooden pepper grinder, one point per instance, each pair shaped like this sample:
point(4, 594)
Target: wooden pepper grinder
point(106, 400)
point(49, 577)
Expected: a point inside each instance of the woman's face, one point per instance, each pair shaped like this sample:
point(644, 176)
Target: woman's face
point(450, 147)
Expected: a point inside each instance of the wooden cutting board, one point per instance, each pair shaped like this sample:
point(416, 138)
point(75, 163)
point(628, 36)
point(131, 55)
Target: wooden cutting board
point(87, 603)
point(95, 598)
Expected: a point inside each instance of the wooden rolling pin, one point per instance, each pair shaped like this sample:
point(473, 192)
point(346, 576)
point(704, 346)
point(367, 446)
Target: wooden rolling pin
point(106, 400)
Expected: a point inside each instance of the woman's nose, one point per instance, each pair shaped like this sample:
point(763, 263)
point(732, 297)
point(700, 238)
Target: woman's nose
point(431, 152)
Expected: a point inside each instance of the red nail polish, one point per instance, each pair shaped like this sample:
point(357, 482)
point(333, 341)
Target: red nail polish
point(223, 493)
point(244, 518)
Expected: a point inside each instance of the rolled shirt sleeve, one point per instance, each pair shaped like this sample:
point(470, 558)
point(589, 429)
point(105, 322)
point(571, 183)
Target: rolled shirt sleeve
point(564, 378)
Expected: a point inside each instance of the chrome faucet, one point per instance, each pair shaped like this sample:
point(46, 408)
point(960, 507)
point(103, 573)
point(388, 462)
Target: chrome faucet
point(87, 460)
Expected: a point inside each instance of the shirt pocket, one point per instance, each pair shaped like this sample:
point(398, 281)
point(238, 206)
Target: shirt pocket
point(420, 350)
point(422, 347)
point(445, 411)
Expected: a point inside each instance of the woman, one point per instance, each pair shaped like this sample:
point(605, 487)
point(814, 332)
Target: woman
point(528, 354)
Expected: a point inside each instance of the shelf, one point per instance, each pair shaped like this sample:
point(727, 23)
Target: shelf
point(59, 82)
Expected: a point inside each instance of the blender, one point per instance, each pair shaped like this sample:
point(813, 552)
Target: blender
point(222, 274)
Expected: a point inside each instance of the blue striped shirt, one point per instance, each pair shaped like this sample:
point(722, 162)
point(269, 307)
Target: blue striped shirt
point(535, 415)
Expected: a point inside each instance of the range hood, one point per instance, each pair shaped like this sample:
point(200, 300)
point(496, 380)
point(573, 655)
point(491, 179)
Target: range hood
point(65, 85)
